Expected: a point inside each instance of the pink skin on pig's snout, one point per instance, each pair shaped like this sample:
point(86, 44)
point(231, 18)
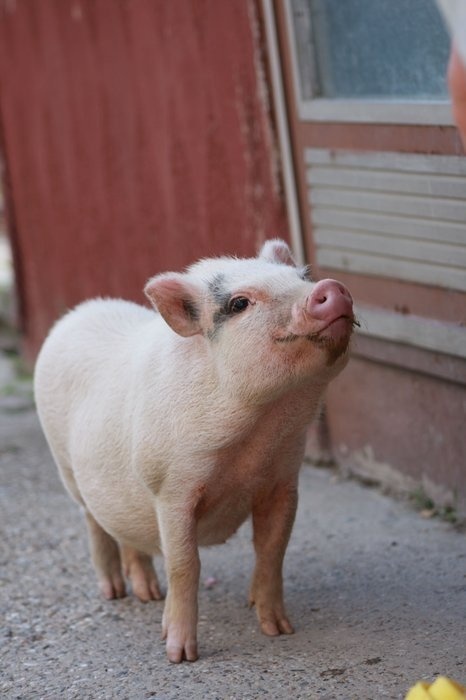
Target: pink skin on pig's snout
point(326, 313)
point(331, 304)
point(329, 301)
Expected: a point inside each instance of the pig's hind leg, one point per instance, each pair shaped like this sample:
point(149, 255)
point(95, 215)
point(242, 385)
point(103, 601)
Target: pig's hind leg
point(110, 562)
point(138, 567)
point(105, 554)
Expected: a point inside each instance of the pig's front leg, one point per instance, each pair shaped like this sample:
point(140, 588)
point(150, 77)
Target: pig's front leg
point(179, 544)
point(273, 518)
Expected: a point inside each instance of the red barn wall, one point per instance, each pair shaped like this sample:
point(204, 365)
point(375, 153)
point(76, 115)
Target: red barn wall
point(137, 136)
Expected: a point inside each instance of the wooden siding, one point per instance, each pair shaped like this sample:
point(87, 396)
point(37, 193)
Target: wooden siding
point(137, 136)
point(389, 388)
point(407, 329)
point(394, 215)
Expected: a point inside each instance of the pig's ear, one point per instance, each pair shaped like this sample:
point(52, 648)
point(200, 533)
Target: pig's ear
point(177, 300)
point(277, 251)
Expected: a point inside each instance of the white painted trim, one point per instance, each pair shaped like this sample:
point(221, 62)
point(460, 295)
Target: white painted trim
point(273, 53)
point(438, 209)
point(425, 333)
point(395, 215)
point(419, 112)
point(388, 111)
point(294, 56)
point(386, 160)
point(392, 268)
point(423, 184)
point(381, 245)
point(422, 229)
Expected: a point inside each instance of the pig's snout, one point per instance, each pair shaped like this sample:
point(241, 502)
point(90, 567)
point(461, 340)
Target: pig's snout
point(329, 300)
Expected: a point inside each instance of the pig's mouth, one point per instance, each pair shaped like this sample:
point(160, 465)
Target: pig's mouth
point(343, 323)
point(342, 326)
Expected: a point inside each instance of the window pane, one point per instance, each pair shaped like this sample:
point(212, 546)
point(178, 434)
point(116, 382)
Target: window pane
point(371, 49)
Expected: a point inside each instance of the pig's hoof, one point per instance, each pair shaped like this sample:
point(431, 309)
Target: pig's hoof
point(181, 643)
point(146, 589)
point(112, 587)
point(140, 570)
point(272, 618)
point(272, 628)
point(177, 652)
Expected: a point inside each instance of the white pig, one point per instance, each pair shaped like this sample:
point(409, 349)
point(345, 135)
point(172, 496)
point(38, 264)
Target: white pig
point(171, 427)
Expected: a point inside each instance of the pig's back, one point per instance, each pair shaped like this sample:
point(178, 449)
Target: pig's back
point(105, 320)
point(94, 336)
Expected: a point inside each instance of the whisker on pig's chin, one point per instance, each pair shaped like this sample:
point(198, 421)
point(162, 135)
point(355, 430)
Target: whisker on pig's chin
point(286, 338)
point(313, 337)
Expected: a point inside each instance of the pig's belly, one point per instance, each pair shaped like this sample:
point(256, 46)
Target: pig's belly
point(130, 517)
point(131, 520)
point(221, 522)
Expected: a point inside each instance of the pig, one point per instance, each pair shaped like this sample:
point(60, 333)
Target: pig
point(172, 425)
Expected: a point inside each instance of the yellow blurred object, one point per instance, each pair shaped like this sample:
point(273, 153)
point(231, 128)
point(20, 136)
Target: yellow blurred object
point(441, 689)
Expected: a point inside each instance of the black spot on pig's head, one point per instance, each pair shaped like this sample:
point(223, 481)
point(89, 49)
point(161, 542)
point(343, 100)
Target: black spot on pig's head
point(225, 305)
point(305, 273)
point(218, 290)
point(220, 297)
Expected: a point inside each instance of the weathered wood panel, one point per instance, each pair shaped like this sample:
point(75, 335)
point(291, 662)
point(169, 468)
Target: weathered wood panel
point(411, 209)
point(137, 136)
point(404, 388)
point(414, 331)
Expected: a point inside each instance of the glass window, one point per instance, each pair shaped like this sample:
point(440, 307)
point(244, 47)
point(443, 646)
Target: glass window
point(370, 50)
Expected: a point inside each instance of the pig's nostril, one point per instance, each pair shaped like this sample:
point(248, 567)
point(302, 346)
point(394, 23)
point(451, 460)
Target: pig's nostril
point(329, 298)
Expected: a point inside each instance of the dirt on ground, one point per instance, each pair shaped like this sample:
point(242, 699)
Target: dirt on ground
point(377, 595)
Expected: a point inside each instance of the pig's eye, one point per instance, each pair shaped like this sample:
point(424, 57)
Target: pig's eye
point(238, 305)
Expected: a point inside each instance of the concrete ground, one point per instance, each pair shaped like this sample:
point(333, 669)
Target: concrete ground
point(376, 592)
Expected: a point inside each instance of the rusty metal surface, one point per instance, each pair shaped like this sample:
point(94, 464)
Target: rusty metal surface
point(137, 137)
